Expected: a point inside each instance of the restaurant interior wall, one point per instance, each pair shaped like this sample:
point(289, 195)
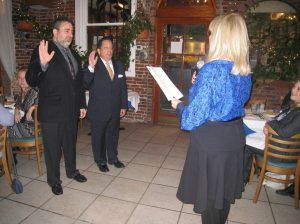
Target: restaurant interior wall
point(142, 82)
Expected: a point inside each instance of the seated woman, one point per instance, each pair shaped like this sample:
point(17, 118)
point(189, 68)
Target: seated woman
point(286, 124)
point(26, 101)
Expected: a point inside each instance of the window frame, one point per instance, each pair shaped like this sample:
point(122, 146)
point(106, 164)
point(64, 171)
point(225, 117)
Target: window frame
point(81, 24)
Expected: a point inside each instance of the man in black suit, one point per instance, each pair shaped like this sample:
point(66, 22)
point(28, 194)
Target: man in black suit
point(56, 70)
point(106, 81)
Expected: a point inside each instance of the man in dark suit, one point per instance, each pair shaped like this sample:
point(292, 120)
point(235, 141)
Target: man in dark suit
point(106, 81)
point(56, 70)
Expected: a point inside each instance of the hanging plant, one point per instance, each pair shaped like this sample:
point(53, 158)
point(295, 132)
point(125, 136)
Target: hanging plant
point(130, 31)
point(22, 19)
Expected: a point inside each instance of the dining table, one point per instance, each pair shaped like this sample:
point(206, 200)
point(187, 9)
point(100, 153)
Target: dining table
point(255, 122)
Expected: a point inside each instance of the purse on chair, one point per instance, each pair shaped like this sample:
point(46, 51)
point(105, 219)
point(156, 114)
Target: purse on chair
point(16, 185)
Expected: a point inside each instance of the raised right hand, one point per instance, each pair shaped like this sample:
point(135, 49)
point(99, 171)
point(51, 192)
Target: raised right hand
point(45, 57)
point(93, 59)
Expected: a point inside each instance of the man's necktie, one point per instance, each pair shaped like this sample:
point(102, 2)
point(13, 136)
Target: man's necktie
point(111, 73)
point(71, 66)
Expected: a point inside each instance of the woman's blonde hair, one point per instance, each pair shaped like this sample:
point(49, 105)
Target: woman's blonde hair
point(229, 40)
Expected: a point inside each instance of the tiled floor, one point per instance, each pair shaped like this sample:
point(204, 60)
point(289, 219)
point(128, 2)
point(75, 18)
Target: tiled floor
point(141, 193)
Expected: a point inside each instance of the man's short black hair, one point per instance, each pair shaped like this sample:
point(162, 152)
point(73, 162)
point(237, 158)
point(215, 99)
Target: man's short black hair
point(110, 38)
point(59, 20)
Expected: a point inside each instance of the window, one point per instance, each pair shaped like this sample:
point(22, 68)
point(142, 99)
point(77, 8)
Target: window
point(97, 18)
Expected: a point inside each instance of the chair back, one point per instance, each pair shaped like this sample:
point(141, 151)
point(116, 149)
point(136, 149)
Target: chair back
point(281, 156)
point(4, 155)
point(285, 149)
point(32, 145)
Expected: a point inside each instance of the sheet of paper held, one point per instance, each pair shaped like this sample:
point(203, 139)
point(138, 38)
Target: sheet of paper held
point(164, 82)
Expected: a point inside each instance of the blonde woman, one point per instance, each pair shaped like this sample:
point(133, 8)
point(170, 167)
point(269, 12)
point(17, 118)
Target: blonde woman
point(26, 102)
point(212, 177)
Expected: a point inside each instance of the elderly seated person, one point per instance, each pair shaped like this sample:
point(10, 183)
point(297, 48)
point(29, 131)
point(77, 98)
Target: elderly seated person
point(26, 102)
point(286, 124)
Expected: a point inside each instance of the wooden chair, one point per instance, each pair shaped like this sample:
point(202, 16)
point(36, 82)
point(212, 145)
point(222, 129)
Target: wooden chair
point(282, 150)
point(4, 155)
point(32, 145)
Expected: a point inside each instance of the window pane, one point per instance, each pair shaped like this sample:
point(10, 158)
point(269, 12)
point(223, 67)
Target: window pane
point(95, 33)
point(195, 39)
point(103, 11)
point(173, 38)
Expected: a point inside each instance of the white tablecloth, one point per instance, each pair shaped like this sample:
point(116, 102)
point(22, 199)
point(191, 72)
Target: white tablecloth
point(256, 124)
point(133, 97)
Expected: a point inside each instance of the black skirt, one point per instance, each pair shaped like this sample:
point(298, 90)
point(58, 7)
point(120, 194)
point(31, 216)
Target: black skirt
point(213, 169)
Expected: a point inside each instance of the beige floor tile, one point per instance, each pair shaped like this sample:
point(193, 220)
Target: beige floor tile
point(245, 211)
point(87, 150)
point(189, 219)
point(13, 212)
point(140, 137)
point(126, 155)
point(81, 145)
point(71, 203)
point(35, 193)
point(163, 140)
point(149, 159)
point(83, 162)
point(167, 177)
point(132, 145)
point(250, 191)
point(96, 183)
point(30, 169)
point(285, 214)
point(111, 210)
point(173, 163)
point(188, 208)
point(112, 170)
point(81, 222)
point(45, 217)
point(149, 215)
point(182, 142)
point(139, 172)
point(280, 199)
point(161, 196)
point(158, 149)
point(125, 189)
point(179, 152)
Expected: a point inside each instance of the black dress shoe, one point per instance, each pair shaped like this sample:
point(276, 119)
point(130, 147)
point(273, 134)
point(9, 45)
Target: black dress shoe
point(80, 178)
point(103, 167)
point(57, 189)
point(287, 191)
point(118, 164)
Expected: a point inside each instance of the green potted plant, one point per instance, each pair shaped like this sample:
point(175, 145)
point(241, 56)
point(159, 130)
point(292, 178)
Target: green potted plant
point(22, 19)
point(275, 46)
point(130, 31)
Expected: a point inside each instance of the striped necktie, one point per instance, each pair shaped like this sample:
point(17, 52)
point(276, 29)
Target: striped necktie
point(71, 65)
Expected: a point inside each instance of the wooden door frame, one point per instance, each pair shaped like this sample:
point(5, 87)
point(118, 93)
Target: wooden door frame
point(160, 22)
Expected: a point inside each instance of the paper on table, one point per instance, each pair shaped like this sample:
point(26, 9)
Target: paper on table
point(166, 85)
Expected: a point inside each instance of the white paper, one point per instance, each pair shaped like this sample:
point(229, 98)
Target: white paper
point(176, 47)
point(166, 85)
